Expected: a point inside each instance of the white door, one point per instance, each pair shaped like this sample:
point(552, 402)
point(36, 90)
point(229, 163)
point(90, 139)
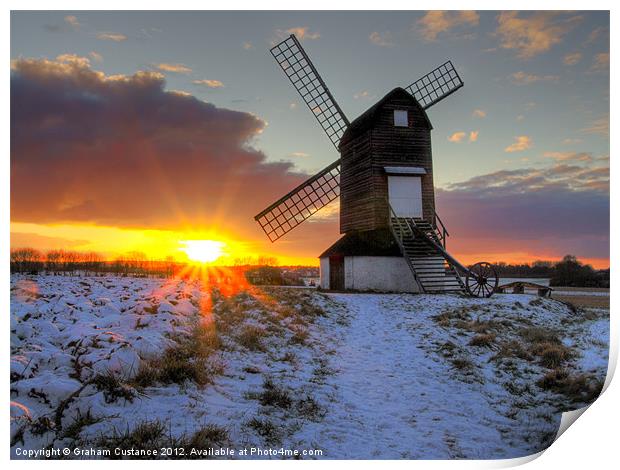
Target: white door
point(405, 193)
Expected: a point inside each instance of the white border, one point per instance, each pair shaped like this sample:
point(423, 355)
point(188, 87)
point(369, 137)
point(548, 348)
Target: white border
point(592, 443)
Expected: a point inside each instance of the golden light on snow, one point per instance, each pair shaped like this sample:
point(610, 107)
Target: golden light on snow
point(202, 251)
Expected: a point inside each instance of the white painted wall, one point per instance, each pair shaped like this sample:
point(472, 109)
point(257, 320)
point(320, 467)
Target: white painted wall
point(379, 273)
point(374, 273)
point(324, 267)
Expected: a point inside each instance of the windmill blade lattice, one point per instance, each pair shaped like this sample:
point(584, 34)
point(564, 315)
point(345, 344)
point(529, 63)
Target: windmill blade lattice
point(436, 85)
point(301, 72)
point(305, 200)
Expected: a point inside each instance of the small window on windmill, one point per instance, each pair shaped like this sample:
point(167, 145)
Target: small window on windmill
point(400, 118)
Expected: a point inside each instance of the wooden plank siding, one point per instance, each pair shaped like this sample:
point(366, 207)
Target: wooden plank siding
point(368, 147)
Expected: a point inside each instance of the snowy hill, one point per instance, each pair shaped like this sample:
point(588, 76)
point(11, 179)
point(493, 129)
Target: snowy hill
point(123, 364)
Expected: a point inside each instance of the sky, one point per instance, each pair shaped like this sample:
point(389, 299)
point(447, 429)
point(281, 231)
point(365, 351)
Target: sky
point(138, 130)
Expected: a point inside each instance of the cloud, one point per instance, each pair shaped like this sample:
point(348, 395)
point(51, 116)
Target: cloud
point(73, 59)
point(433, 23)
point(522, 78)
point(572, 58)
point(116, 37)
point(599, 126)
point(473, 136)
point(457, 137)
point(381, 39)
point(600, 62)
point(595, 34)
point(72, 21)
point(363, 95)
point(299, 155)
point(120, 150)
point(302, 33)
point(569, 156)
point(173, 68)
point(96, 56)
point(247, 45)
point(209, 83)
point(535, 33)
point(529, 210)
point(571, 141)
point(479, 113)
point(521, 143)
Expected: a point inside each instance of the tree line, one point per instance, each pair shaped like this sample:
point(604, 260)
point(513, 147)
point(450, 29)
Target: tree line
point(569, 272)
point(65, 262)
point(262, 270)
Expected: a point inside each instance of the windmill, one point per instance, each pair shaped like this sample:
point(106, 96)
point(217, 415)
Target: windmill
point(393, 238)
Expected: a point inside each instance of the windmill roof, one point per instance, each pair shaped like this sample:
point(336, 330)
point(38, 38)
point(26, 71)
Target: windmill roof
point(366, 119)
point(368, 243)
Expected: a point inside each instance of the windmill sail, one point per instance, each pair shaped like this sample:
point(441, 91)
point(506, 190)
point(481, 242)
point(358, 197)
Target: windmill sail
point(301, 72)
point(436, 85)
point(305, 200)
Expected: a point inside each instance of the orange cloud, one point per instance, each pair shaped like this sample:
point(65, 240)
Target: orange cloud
point(521, 143)
point(522, 78)
point(473, 136)
point(302, 33)
point(457, 137)
point(174, 68)
point(72, 21)
point(120, 150)
point(534, 34)
point(600, 62)
point(572, 58)
point(116, 37)
point(381, 39)
point(479, 113)
point(209, 83)
point(598, 126)
point(433, 23)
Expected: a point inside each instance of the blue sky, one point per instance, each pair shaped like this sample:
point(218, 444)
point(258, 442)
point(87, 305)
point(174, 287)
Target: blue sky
point(536, 92)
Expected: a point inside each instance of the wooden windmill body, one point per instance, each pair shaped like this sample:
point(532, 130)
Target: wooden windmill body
point(392, 239)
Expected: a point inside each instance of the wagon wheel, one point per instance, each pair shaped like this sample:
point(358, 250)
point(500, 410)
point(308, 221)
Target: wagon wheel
point(481, 280)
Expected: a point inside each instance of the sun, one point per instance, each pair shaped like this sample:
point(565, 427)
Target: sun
point(202, 251)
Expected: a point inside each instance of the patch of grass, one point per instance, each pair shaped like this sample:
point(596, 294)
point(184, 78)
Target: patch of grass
point(187, 360)
point(308, 408)
point(113, 388)
point(537, 334)
point(80, 422)
point(207, 437)
point(551, 355)
point(145, 435)
point(546, 346)
point(300, 335)
point(513, 348)
point(273, 395)
point(251, 370)
point(251, 337)
point(580, 388)
point(152, 309)
point(484, 340)
point(41, 425)
point(462, 364)
point(266, 429)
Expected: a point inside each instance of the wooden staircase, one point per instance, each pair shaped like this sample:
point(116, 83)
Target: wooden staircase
point(421, 245)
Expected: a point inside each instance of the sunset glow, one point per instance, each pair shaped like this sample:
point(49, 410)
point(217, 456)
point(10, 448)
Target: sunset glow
point(203, 251)
point(515, 161)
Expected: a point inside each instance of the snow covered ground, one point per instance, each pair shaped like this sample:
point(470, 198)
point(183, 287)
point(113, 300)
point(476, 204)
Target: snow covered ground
point(108, 362)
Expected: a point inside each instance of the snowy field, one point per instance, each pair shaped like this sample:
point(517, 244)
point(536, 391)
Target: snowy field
point(113, 363)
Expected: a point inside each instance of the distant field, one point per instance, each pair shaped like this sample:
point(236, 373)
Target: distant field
point(587, 301)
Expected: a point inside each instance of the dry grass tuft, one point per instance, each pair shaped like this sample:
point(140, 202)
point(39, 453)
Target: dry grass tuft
point(251, 337)
point(484, 340)
point(580, 388)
